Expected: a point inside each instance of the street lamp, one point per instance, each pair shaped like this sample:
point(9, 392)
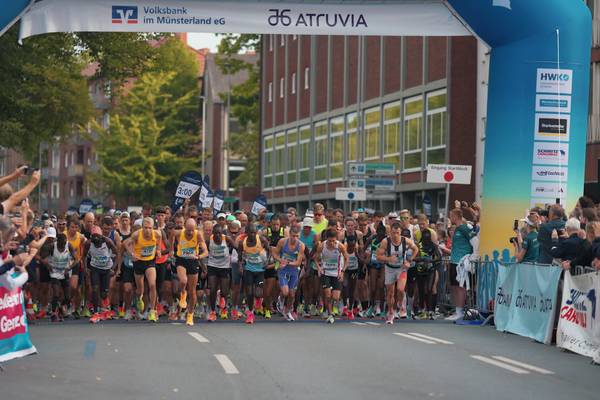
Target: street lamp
point(203, 98)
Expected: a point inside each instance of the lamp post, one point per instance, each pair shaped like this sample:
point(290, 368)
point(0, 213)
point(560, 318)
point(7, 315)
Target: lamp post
point(203, 98)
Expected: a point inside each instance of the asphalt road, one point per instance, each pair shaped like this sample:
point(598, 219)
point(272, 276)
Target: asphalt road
point(300, 360)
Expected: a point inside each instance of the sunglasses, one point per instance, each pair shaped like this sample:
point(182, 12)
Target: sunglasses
point(404, 218)
point(318, 215)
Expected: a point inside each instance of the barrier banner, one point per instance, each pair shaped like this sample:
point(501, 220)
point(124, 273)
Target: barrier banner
point(14, 332)
point(579, 322)
point(526, 300)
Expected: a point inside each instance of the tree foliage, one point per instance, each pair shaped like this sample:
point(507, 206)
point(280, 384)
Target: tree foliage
point(245, 103)
point(146, 149)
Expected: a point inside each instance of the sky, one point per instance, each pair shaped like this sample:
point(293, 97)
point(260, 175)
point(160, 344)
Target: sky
point(204, 40)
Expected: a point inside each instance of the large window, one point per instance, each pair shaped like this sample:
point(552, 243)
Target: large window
point(280, 161)
point(391, 134)
point(336, 169)
point(413, 132)
point(372, 133)
point(292, 157)
point(268, 162)
point(321, 151)
point(352, 135)
point(304, 155)
point(436, 127)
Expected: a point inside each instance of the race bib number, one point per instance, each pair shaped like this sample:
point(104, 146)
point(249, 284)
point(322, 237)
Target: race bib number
point(100, 261)
point(148, 251)
point(188, 252)
point(330, 265)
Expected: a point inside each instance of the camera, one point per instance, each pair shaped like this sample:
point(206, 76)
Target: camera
point(513, 240)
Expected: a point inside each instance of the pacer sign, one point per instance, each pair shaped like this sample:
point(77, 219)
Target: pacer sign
point(14, 334)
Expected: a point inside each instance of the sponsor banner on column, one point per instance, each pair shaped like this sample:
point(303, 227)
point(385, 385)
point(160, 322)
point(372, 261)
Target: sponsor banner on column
point(549, 189)
point(431, 18)
point(552, 103)
point(526, 300)
point(551, 80)
point(552, 127)
point(549, 174)
point(579, 320)
point(14, 333)
point(551, 153)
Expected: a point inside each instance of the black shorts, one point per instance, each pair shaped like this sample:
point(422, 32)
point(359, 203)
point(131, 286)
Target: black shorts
point(270, 273)
point(43, 274)
point(453, 280)
point(362, 273)
point(253, 278)
point(163, 273)
point(126, 275)
point(411, 275)
point(32, 278)
point(140, 267)
point(330, 282)
point(101, 278)
point(353, 274)
point(191, 266)
point(220, 273)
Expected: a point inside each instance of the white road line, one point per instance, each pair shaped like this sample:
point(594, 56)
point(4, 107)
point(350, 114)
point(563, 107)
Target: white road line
point(227, 364)
point(359, 323)
point(523, 365)
point(372, 323)
point(418, 339)
point(198, 337)
point(499, 364)
point(442, 341)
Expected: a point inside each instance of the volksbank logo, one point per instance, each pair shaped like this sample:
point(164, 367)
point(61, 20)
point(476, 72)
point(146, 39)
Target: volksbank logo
point(124, 14)
point(551, 77)
point(283, 17)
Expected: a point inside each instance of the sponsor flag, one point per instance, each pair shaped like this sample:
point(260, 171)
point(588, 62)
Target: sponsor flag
point(204, 193)
point(218, 201)
point(189, 183)
point(260, 203)
point(85, 206)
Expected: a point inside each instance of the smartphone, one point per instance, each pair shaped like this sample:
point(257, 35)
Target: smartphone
point(516, 225)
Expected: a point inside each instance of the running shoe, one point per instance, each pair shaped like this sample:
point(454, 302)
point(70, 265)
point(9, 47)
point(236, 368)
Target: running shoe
point(249, 317)
point(431, 315)
point(306, 313)
point(152, 317)
point(198, 312)
point(76, 314)
point(336, 311)
point(268, 314)
point(350, 315)
point(280, 308)
point(140, 304)
point(390, 319)
point(345, 311)
point(294, 315)
point(183, 300)
point(106, 302)
point(454, 317)
point(235, 314)
point(222, 303)
point(212, 317)
point(94, 319)
point(289, 317)
point(362, 313)
point(403, 314)
point(224, 313)
point(324, 314)
point(160, 309)
point(54, 317)
point(41, 314)
point(330, 319)
point(370, 313)
point(190, 320)
point(86, 313)
point(173, 316)
point(121, 312)
point(128, 316)
point(313, 310)
point(423, 315)
point(377, 311)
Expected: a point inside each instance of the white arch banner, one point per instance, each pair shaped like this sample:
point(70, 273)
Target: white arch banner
point(406, 18)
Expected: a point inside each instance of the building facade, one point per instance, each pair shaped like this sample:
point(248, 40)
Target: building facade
point(331, 100)
point(592, 164)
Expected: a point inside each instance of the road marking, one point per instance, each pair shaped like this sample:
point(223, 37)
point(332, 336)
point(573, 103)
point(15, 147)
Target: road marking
point(372, 323)
point(176, 323)
point(442, 341)
point(523, 365)
point(198, 337)
point(227, 364)
point(499, 364)
point(418, 339)
point(359, 323)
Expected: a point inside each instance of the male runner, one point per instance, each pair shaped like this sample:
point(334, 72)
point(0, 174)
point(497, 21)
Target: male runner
point(273, 233)
point(76, 241)
point(290, 255)
point(253, 259)
point(219, 269)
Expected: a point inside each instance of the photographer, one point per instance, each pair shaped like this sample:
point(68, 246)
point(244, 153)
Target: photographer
point(527, 248)
point(555, 222)
point(12, 200)
point(566, 244)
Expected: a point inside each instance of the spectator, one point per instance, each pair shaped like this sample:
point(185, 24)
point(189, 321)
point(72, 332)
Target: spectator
point(584, 251)
point(566, 246)
point(10, 200)
point(461, 246)
point(555, 222)
point(595, 227)
point(585, 202)
point(527, 248)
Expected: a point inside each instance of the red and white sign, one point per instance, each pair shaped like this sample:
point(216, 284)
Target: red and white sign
point(12, 317)
point(449, 174)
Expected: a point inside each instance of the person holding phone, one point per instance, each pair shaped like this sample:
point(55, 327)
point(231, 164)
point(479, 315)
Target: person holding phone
point(555, 222)
point(526, 248)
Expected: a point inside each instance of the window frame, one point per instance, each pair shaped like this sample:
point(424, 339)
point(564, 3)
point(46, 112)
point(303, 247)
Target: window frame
point(398, 121)
point(441, 110)
point(332, 136)
point(268, 152)
point(367, 127)
point(279, 148)
point(302, 142)
point(317, 141)
point(306, 78)
point(405, 119)
point(270, 90)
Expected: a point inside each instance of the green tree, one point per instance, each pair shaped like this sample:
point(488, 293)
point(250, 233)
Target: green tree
point(139, 155)
point(245, 103)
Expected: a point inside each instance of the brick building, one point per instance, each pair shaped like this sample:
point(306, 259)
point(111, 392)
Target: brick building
point(330, 100)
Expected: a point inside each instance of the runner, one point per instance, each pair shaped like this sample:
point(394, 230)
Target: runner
point(290, 255)
point(126, 277)
point(190, 248)
point(392, 252)
point(309, 278)
point(274, 233)
point(233, 232)
point(164, 274)
point(109, 231)
point(101, 268)
point(144, 248)
point(351, 277)
point(375, 272)
point(253, 259)
point(61, 261)
point(331, 258)
point(319, 222)
point(219, 270)
point(76, 241)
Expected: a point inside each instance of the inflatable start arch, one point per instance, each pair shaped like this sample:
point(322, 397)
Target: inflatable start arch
point(538, 85)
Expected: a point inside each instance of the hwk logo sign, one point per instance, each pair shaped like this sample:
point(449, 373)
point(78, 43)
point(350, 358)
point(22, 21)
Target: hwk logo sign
point(124, 14)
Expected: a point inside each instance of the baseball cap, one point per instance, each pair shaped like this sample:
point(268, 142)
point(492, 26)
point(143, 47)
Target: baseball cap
point(268, 216)
point(236, 223)
point(230, 218)
point(96, 230)
point(125, 214)
point(309, 213)
point(221, 215)
point(51, 232)
point(528, 221)
point(393, 214)
point(307, 222)
point(138, 222)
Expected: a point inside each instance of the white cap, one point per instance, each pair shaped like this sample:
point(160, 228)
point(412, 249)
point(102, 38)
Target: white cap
point(307, 222)
point(221, 215)
point(528, 221)
point(309, 214)
point(51, 232)
point(138, 222)
point(393, 214)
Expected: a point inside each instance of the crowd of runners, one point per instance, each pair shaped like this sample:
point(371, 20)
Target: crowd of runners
point(192, 265)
